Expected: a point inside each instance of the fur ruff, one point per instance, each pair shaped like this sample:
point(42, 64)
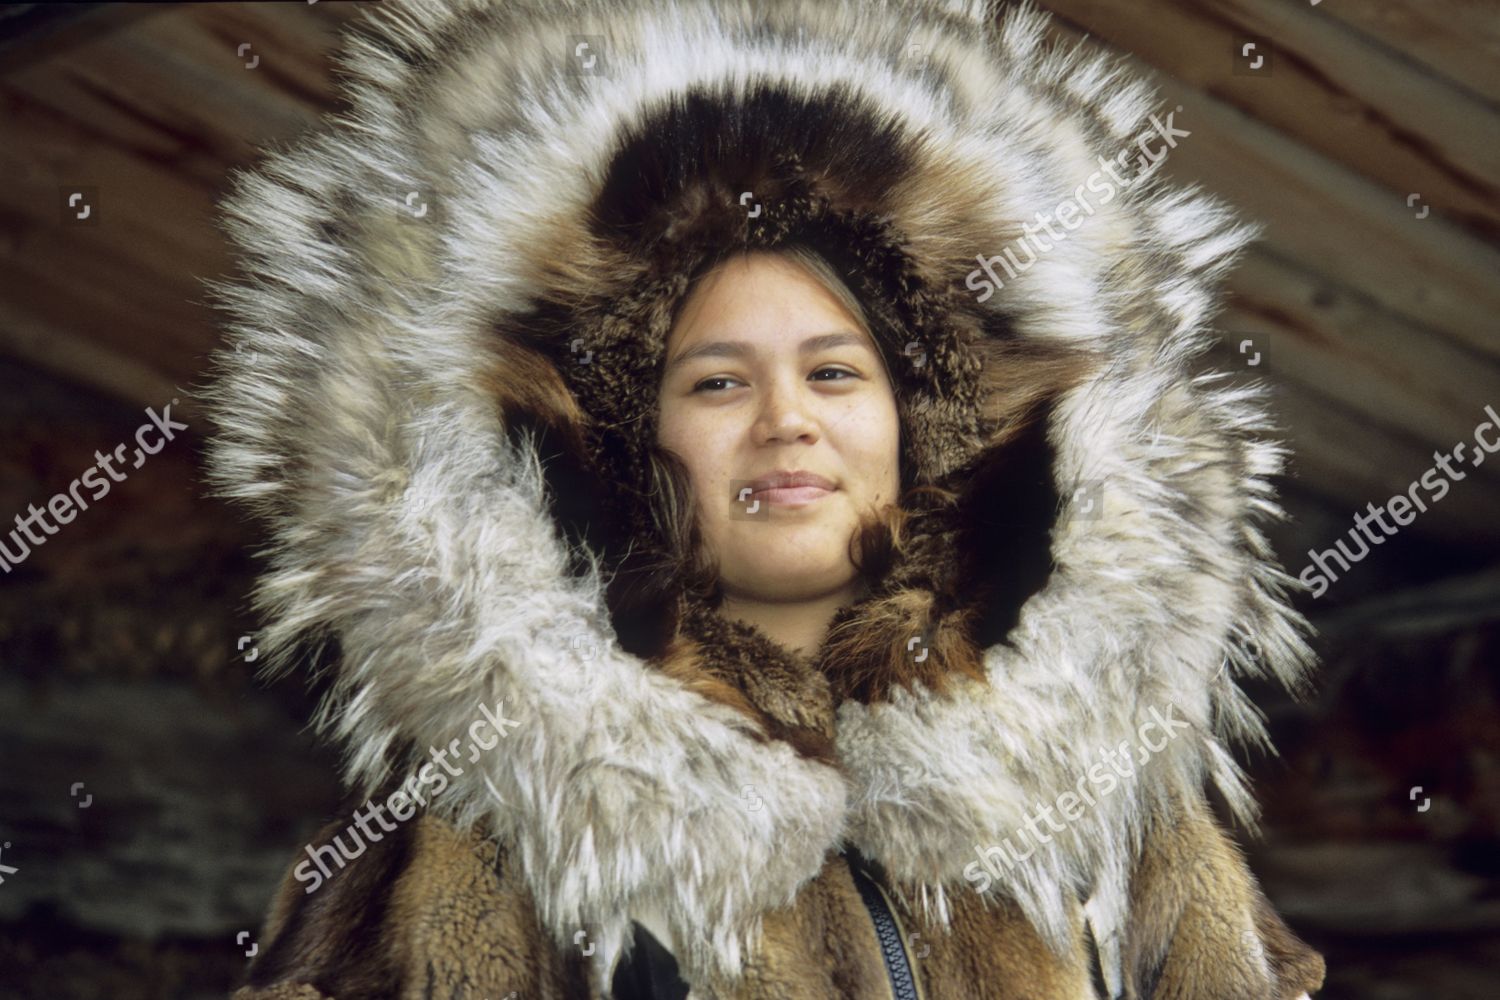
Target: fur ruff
point(377, 410)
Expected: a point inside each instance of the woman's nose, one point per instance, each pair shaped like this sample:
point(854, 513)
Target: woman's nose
point(786, 414)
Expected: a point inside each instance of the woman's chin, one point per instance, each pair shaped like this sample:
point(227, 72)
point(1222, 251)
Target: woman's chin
point(794, 577)
point(797, 529)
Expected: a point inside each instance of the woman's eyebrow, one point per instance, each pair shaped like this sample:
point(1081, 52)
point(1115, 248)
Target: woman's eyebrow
point(824, 341)
point(742, 349)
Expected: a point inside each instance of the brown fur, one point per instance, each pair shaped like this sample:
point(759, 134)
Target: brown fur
point(685, 661)
point(529, 391)
point(792, 700)
point(439, 913)
point(336, 938)
point(822, 946)
point(1022, 377)
point(993, 953)
point(473, 926)
point(869, 651)
point(1201, 924)
point(424, 912)
point(1297, 967)
point(456, 923)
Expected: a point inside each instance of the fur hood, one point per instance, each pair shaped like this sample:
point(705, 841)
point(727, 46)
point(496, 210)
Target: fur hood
point(447, 296)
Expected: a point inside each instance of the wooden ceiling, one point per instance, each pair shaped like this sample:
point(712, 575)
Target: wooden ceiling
point(1368, 147)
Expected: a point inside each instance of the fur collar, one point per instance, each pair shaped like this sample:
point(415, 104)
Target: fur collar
point(374, 411)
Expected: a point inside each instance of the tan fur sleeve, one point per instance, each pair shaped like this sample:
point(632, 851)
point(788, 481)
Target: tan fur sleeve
point(425, 911)
point(1200, 925)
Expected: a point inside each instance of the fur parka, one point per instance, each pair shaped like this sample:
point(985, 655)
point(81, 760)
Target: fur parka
point(438, 394)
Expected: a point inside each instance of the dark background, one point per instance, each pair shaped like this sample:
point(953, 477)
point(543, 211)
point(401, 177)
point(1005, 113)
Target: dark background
point(1368, 145)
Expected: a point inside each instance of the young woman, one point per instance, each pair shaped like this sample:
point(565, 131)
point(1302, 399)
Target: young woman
point(734, 588)
point(775, 397)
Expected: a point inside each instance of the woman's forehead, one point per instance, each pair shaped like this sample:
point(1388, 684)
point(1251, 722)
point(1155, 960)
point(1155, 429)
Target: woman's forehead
point(764, 297)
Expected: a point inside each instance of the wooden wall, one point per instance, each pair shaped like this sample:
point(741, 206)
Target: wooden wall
point(1381, 315)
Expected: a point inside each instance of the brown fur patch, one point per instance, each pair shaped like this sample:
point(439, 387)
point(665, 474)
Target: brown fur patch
point(682, 662)
point(991, 952)
point(900, 639)
point(1021, 377)
point(737, 665)
point(1197, 927)
point(470, 927)
point(824, 945)
point(425, 911)
point(456, 919)
point(1299, 969)
point(529, 391)
point(336, 938)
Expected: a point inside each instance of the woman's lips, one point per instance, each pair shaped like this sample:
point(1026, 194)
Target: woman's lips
point(791, 496)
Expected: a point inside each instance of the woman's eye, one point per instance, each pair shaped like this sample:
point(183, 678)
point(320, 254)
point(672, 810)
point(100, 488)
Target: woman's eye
point(719, 383)
point(833, 371)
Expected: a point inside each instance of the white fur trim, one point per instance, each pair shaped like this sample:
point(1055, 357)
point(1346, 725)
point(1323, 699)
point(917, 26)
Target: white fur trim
point(405, 524)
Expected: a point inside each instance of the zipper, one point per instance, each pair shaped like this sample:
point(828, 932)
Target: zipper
point(892, 937)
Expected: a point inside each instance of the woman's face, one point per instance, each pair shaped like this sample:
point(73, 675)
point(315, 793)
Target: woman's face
point(768, 373)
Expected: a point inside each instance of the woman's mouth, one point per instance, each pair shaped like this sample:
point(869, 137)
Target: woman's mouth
point(790, 496)
point(790, 488)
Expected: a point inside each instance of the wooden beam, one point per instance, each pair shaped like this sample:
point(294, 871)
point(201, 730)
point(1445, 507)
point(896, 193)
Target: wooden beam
point(1455, 39)
point(1329, 88)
